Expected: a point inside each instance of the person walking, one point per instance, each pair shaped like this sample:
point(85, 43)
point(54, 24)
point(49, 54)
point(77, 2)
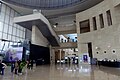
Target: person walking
point(12, 66)
point(2, 67)
point(16, 67)
point(31, 64)
point(21, 66)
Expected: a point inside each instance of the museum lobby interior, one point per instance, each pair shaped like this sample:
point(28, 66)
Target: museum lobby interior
point(60, 39)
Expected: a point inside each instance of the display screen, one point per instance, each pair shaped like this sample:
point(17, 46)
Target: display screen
point(13, 54)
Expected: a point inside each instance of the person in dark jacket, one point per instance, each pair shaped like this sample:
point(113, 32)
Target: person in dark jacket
point(19, 69)
point(12, 66)
point(2, 67)
point(31, 64)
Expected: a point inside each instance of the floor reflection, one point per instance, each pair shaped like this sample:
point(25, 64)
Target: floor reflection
point(65, 72)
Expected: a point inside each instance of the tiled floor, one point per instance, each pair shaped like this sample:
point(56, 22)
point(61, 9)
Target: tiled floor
point(65, 72)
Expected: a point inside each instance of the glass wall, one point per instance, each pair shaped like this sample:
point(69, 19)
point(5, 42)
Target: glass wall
point(8, 30)
point(10, 33)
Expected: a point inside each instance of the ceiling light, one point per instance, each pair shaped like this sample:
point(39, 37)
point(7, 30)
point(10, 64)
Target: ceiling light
point(54, 26)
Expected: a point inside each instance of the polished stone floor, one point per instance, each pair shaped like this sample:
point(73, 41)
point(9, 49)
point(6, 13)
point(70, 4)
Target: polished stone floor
point(65, 72)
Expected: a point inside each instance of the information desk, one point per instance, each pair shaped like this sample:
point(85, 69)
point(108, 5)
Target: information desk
point(109, 63)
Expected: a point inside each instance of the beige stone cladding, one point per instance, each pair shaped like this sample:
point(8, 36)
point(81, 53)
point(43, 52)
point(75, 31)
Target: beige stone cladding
point(107, 38)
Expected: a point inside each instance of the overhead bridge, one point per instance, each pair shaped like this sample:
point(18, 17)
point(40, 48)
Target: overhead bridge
point(66, 45)
point(43, 25)
point(60, 30)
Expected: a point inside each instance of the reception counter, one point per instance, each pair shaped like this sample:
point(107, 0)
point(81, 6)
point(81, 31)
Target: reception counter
point(109, 63)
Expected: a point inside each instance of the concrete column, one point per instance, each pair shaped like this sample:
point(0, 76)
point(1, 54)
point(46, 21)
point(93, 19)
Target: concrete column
point(38, 38)
point(60, 54)
point(98, 23)
point(51, 55)
point(91, 24)
point(33, 34)
point(83, 49)
point(113, 16)
point(77, 27)
point(105, 19)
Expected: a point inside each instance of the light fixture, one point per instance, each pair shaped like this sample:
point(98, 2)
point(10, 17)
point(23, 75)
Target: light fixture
point(54, 26)
point(97, 48)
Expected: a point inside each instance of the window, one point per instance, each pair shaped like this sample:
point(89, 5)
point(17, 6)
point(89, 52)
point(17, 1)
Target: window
point(85, 26)
point(13, 38)
point(14, 31)
point(10, 29)
point(2, 16)
point(1, 26)
point(9, 37)
point(8, 11)
point(4, 36)
point(17, 39)
point(18, 32)
point(21, 33)
point(0, 6)
point(109, 18)
point(101, 20)
point(94, 23)
point(5, 29)
point(3, 9)
point(0, 35)
point(12, 13)
point(11, 21)
point(7, 19)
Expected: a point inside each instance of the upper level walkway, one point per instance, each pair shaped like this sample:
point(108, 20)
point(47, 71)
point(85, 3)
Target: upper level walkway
point(66, 45)
point(60, 30)
point(37, 19)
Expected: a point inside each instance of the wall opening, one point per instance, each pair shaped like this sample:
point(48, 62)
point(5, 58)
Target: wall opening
point(84, 26)
point(109, 18)
point(90, 51)
point(101, 20)
point(94, 23)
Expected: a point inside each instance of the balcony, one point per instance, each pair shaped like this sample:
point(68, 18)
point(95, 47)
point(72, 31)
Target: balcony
point(65, 29)
point(66, 45)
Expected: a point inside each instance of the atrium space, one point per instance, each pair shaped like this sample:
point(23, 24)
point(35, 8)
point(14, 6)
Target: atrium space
point(59, 39)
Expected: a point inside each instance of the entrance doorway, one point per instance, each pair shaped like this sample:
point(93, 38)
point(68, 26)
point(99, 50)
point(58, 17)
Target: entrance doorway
point(90, 52)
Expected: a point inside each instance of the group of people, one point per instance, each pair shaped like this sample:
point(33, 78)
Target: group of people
point(16, 66)
point(30, 64)
point(69, 40)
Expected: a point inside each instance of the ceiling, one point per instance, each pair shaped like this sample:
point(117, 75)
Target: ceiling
point(45, 4)
point(55, 12)
point(62, 16)
point(63, 20)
